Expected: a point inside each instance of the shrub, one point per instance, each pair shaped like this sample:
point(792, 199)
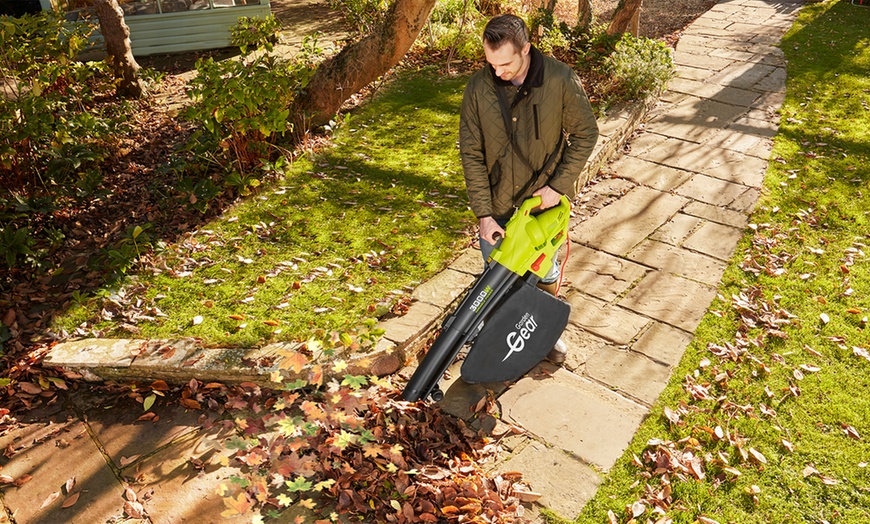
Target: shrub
point(255, 32)
point(637, 68)
point(54, 132)
point(244, 111)
point(361, 15)
point(454, 24)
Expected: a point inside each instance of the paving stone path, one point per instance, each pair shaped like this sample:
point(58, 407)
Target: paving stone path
point(647, 251)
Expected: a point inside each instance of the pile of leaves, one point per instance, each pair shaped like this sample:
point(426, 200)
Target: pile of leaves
point(356, 448)
point(349, 447)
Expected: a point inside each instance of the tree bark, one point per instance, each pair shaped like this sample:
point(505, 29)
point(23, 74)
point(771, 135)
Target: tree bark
point(116, 35)
point(626, 11)
point(359, 64)
point(584, 13)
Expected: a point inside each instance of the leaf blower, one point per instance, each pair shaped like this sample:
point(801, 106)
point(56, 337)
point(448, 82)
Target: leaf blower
point(512, 323)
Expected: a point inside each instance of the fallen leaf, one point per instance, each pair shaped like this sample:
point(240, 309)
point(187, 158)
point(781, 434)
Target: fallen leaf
point(134, 509)
point(850, 431)
point(71, 500)
point(30, 388)
point(197, 320)
point(758, 456)
point(126, 461)
point(809, 470)
point(51, 498)
point(237, 317)
point(23, 479)
point(825, 318)
point(69, 485)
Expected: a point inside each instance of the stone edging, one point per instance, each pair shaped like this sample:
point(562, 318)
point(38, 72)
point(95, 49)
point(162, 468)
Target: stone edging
point(179, 360)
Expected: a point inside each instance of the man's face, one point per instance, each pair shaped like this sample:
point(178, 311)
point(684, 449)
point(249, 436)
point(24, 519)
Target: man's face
point(507, 61)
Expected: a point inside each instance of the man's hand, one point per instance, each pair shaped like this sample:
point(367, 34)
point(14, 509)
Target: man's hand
point(489, 228)
point(549, 197)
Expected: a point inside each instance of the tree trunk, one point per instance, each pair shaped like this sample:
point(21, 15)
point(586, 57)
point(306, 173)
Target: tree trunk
point(116, 35)
point(359, 64)
point(626, 11)
point(584, 13)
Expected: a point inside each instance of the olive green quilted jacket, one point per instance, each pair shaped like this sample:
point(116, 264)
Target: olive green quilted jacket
point(550, 102)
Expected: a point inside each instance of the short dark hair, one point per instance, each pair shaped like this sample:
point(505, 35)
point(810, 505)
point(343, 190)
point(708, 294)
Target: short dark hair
point(506, 28)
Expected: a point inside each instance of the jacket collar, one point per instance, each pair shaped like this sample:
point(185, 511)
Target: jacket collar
point(535, 76)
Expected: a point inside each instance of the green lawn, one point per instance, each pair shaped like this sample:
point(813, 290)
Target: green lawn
point(344, 235)
point(767, 418)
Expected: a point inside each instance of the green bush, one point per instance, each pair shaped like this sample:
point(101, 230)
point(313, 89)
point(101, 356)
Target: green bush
point(255, 32)
point(637, 68)
point(454, 24)
point(54, 132)
point(244, 112)
point(361, 15)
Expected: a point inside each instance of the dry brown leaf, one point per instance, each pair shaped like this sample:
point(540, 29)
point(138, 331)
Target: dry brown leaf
point(134, 509)
point(850, 431)
point(29, 388)
point(71, 500)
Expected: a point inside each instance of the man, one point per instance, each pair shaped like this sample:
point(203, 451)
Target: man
point(526, 129)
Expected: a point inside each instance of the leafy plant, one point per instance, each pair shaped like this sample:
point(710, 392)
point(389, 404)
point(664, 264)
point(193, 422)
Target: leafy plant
point(361, 15)
point(637, 68)
point(243, 107)
point(14, 243)
point(255, 32)
point(55, 128)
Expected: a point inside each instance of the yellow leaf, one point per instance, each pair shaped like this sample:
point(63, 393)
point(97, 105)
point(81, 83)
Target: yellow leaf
point(339, 366)
point(237, 317)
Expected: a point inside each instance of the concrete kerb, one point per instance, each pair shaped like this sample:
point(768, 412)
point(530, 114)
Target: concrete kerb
point(179, 360)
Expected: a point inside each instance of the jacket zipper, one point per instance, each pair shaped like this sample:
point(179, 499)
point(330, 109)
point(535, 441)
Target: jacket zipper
point(535, 113)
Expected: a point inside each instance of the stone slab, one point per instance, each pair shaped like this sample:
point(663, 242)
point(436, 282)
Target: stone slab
point(618, 228)
point(55, 453)
point(695, 119)
point(575, 415)
point(415, 323)
point(718, 93)
point(728, 217)
point(725, 164)
point(163, 356)
point(742, 75)
point(672, 299)
point(631, 373)
point(656, 176)
point(565, 483)
point(600, 274)
point(124, 438)
point(178, 492)
point(581, 346)
point(444, 288)
point(663, 343)
point(470, 261)
point(92, 353)
point(677, 229)
point(613, 323)
point(746, 143)
point(679, 261)
point(711, 190)
point(715, 240)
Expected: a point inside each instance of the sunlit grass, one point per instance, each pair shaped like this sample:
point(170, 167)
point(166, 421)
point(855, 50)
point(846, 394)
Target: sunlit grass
point(342, 236)
point(799, 398)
